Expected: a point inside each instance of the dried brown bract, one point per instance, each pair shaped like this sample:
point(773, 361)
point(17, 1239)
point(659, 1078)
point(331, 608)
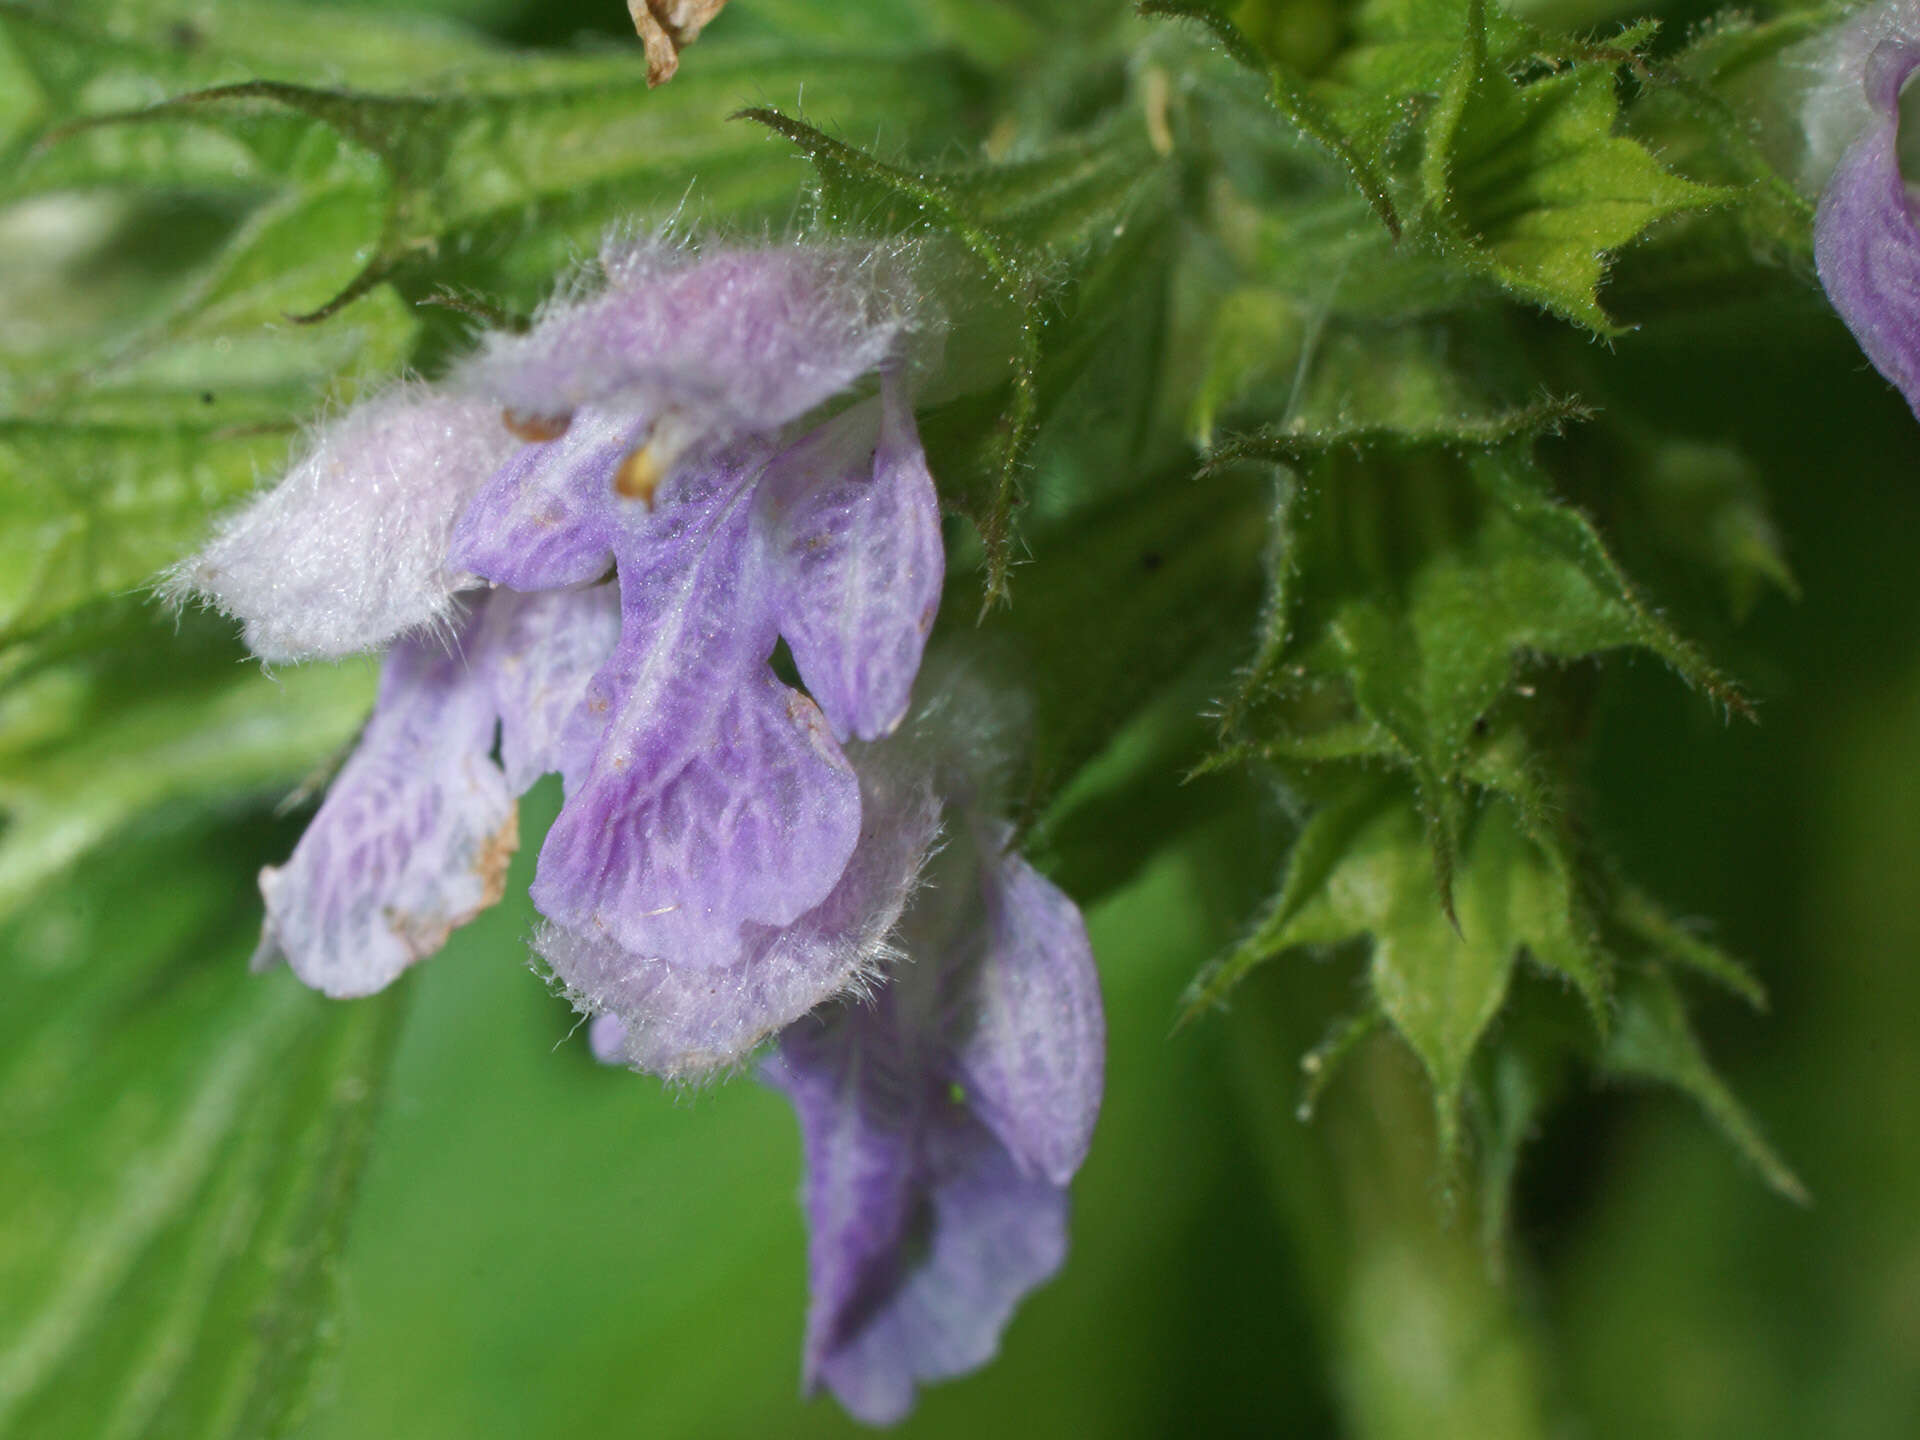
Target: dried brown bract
point(667, 27)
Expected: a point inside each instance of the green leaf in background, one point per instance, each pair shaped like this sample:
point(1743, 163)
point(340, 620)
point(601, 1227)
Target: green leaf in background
point(1528, 183)
point(108, 476)
point(1418, 769)
point(512, 167)
point(1702, 503)
point(180, 1143)
point(1153, 573)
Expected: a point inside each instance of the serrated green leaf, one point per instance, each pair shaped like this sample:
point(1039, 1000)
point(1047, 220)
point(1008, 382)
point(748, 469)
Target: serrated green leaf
point(1372, 97)
point(1448, 572)
point(1725, 110)
point(501, 167)
point(1533, 577)
point(121, 55)
point(1652, 1040)
point(1329, 836)
point(182, 1142)
point(1292, 97)
point(1529, 184)
point(1364, 869)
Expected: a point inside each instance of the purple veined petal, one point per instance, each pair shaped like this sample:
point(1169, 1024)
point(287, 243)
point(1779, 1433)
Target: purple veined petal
point(349, 550)
point(1866, 242)
point(716, 797)
point(549, 516)
point(1030, 1032)
point(755, 829)
point(411, 842)
point(737, 341)
point(860, 1089)
point(853, 524)
point(982, 1235)
point(683, 1022)
point(538, 653)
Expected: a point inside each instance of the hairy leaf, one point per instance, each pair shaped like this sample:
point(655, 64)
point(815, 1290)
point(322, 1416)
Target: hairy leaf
point(182, 1146)
point(1528, 184)
point(1364, 869)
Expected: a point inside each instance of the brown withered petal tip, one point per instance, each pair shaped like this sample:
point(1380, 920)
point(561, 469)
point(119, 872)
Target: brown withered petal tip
point(667, 27)
point(535, 429)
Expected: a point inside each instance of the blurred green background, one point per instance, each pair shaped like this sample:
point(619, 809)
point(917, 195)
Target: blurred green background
point(542, 1247)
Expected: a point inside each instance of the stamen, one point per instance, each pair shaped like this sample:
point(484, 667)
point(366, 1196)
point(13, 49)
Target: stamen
point(649, 463)
point(639, 475)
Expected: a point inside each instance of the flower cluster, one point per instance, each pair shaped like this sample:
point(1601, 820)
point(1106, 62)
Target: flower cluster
point(1866, 241)
point(581, 552)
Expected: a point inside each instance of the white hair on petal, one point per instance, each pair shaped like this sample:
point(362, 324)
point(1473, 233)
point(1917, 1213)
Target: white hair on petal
point(347, 551)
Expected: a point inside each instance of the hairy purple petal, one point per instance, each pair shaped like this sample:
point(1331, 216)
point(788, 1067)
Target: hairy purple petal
point(854, 526)
point(860, 1088)
point(549, 516)
point(1033, 1035)
point(716, 796)
point(923, 1233)
point(942, 1123)
point(349, 550)
point(684, 1021)
point(412, 841)
point(538, 653)
point(1866, 243)
point(1834, 107)
point(756, 829)
point(730, 340)
point(990, 1235)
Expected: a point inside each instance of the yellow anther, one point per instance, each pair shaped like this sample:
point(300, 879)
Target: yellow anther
point(639, 475)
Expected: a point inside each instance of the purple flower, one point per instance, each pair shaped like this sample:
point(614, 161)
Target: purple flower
point(942, 1121)
point(717, 803)
point(735, 859)
point(1866, 243)
point(714, 834)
